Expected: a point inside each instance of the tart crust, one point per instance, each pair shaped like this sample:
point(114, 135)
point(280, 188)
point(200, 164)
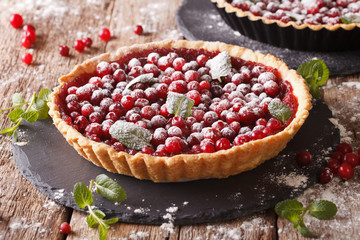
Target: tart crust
point(220, 164)
point(240, 13)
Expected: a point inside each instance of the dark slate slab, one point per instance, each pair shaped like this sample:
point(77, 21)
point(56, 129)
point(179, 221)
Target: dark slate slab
point(53, 167)
point(199, 20)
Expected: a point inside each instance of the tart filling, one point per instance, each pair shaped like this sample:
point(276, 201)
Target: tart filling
point(177, 110)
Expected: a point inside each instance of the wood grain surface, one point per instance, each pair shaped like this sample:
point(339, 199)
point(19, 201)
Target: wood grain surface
point(27, 214)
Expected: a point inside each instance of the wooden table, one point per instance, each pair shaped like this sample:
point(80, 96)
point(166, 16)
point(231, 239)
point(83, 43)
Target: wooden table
point(25, 213)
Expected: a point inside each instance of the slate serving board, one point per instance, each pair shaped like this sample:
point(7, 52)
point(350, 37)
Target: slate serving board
point(53, 167)
point(199, 20)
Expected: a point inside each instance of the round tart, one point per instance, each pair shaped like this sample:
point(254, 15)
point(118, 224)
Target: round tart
point(321, 25)
point(180, 110)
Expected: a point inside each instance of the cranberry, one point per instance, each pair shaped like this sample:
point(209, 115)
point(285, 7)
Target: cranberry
point(201, 60)
point(223, 144)
point(337, 155)
point(153, 58)
point(105, 34)
point(64, 50)
point(119, 75)
point(148, 112)
point(174, 145)
point(118, 146)
point(164, 62)
point(65, 228)
point(127, 102)
point(138, 29)
point(87, 109)
point(194, 95)
point(325, 175)
point(191, 75)
point(208, 148)
point(81, 122)
point(27, 58)
point(303, 158)
point(334, 165)
point(351, 158)
point(205, 85)
point(26, 42)
point(213, 134)
point(147, 150)
point(79, 45)
point(158, 121)
point(28, 27)
point(346, 171)
point(178, 121)
point(344, 148)
point(88, 42)
point(94, 129)
point(162, 90)
point(16, 20)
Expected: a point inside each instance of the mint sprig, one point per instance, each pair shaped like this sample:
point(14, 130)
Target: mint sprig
point(315, 73)
point(279, 111)
point(107, 188)
point(145, 78)
point(31, 111)
point(294, 211)
point(350, 18)
point(220, 66)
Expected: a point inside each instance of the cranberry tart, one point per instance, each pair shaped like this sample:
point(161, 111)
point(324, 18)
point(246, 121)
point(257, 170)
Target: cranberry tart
point(321, 25)
point(180, 110)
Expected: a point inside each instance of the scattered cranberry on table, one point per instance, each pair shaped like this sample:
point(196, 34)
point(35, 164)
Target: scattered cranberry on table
point(105, 34)
point(325, 175)
point(346, 171)
point(88, 42)
point(65, 228)
point(138, 29)
point(27, 58)
point(64, 50)
point(303, 158)
point(16, 20)
point(79, 45)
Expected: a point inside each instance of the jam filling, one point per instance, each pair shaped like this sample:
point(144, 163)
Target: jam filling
point(226, 113)
point(317, 12)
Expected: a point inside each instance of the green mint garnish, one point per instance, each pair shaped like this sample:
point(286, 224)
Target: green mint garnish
point(279, 111)
point(350, 18)
point(131, 135)
point(316, 73)
point(179, 104)
point(31, 111)
point(220, 66)
point(293, 211)
point(107, 188)
point(145, 78)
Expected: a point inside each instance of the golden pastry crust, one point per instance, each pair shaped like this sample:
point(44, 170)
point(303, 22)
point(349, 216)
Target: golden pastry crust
point(220, 164)
point(240, 13)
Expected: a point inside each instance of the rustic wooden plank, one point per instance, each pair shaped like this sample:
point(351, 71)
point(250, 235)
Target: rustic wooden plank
point(342, 95)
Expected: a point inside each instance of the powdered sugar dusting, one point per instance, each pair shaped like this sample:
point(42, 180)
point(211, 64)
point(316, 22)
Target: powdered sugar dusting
point(293, 180)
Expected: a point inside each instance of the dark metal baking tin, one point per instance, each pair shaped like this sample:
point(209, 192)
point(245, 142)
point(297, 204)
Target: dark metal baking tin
point(290, 37)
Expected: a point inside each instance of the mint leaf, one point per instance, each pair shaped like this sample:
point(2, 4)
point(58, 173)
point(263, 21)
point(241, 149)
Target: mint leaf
point(350, 18)
point(30, 116)
point(18, 99)
point(109, 189)
point(179, 104)
point(103, 231)
point(303, 229)
point(91, 219)
point(279, 111)
point(323, 209)
point(44, 94)
point(82, 195)
point(41, 107)
point(15, 115)
point(220, 66)
point(289, 209)
point(9, 130)
point(315, 73)
point(131, 135)
point(111, 220)
point(145, 78)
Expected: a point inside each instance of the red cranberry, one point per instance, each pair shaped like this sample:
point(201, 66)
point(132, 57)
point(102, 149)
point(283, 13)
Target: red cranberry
point(65, 228)
point(164, 62)
point(162, 90)
point(81, 122)
point(88, 42)
point(26, 42)
point(94, 129)
point(64, 50)
point(346, 171)
point(148, 112)
point(178, 121)
point(223, 144)
point(153, 58)
point(138, 29)
point(334, 165)
point(105, 34)
point(27, 58)
point(127, 102)
point(16, 20)
point(344, 148)
point(79, 45)
point(325, 175)
point(337, 155)
point(194, 95)
point(174, 145)
point(28, 27)
point(351, 158)
point(147, 150)
point(303, 158)
point(201, 60)
point(119, 75)
point(118, 146)
point(205, 85)
point(208, 148)
point(87, 109)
